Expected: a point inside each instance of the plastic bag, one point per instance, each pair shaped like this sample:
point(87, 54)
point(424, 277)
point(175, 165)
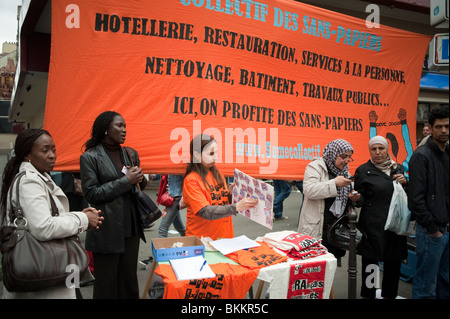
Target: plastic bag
point(399, 214)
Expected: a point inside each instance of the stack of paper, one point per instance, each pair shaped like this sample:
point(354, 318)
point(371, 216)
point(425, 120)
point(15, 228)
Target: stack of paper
point(191, 268)
point(229, 245)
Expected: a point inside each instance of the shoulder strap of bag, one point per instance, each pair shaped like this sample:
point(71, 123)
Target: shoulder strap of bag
point(55, 211)
point(19, 210)
point(130, 156)
point(133, 162)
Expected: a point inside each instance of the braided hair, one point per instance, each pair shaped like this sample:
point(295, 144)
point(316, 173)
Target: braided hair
point(23, 145)
point(100, 126)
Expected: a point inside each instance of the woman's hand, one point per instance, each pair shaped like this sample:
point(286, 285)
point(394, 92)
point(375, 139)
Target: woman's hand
point(354, 197)
point(400, 178)
point(94, 217)
point(181, 204)
point(134, 175)
point(341, 181)
point(246, 203)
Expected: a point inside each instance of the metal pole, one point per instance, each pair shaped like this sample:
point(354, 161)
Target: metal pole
point(352, 270)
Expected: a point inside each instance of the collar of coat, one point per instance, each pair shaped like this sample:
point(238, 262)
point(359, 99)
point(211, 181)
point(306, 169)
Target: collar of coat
point(433, 146)
point(30, 169)
point(105, 159)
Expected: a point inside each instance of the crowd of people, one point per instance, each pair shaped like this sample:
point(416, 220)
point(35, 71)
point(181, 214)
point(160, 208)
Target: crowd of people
point(108, 174)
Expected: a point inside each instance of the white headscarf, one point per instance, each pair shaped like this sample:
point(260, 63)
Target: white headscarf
point(388, 163)
point(379, 140)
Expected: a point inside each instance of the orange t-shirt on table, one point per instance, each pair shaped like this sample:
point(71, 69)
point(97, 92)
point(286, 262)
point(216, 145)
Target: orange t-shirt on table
point(196, 196)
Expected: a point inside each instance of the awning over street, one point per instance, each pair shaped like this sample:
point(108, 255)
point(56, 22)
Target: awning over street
point(434, 81)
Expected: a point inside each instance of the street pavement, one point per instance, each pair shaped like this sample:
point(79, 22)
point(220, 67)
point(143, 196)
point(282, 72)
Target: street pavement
point(244, 226)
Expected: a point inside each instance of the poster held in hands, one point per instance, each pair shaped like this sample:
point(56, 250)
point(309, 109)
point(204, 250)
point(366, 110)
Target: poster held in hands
point(247, 186)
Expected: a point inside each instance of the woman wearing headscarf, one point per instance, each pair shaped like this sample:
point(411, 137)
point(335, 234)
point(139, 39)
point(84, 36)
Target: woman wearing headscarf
point(327, 191)
point(374, 181)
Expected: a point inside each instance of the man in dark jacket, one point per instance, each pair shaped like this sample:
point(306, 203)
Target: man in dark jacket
point(428, 200)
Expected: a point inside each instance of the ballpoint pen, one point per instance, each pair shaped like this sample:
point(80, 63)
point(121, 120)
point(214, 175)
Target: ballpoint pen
point(204, 263)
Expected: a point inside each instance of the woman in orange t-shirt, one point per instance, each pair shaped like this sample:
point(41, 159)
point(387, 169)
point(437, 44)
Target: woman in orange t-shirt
point(206, 194)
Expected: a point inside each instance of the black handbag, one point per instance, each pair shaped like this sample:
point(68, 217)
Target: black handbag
point(338, 233)
point(148, 210)
point(31, 265)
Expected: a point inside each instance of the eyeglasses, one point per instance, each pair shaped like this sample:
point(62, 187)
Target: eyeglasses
point(346, 157)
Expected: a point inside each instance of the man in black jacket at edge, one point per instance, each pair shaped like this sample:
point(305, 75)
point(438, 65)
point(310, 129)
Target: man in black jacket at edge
point(428, 200)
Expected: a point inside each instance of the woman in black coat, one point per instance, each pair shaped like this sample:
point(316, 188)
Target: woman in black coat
point(374, 181)
point(108, 176)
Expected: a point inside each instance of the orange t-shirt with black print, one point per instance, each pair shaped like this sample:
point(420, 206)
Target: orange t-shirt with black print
point(231, 282)
point(196, 196)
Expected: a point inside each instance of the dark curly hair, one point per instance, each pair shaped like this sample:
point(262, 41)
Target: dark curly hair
point(23, 145)
point(441, 112)
point(100, 126)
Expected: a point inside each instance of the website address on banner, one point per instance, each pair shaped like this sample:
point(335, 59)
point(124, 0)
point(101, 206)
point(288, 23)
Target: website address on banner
point(236, 145)
point(271, 151)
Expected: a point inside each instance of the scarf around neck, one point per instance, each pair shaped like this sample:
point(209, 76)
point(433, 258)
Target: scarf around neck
point(386, 166)
point(331, 151)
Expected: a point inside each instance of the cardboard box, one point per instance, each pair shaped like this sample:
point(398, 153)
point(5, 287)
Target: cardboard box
point(163, 251)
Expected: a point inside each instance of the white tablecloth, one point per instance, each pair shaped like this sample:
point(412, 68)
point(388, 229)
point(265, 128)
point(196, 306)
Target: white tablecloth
point(278, 275)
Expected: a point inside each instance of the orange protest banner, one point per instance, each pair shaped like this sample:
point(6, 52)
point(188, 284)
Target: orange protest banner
point(272, 81)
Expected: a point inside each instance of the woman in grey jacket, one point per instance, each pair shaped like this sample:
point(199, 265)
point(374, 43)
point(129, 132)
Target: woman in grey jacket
point(108, 176)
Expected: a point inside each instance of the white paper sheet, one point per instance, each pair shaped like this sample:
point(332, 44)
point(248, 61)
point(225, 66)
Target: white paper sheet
point(189, 268)
point(229, 245)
